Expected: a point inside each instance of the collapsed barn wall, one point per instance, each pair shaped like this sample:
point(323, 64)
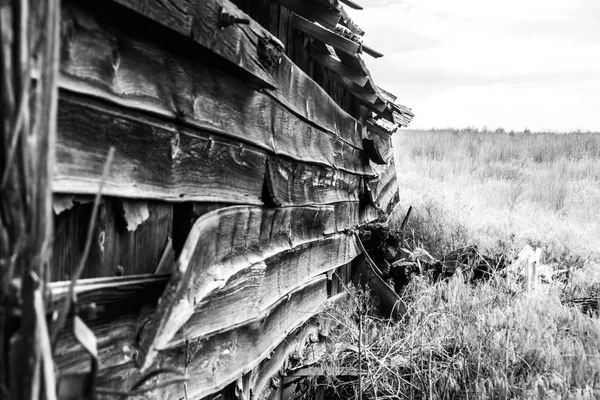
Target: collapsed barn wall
point(249, 141)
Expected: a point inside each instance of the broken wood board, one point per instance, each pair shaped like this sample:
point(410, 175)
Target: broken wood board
point(114, 250)
point(246, 45)
point(293, 183)
point(223, 358)
point(324, 35)
point(153, 159)
point(141, 70)
point(220, 244)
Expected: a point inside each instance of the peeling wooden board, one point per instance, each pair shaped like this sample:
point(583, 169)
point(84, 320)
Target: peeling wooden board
point(223, 358)
point(292, 183)
point(222, 243)
point(248, 46)
point(135, 213)
point(139, 69)
point(153, 159)
point(252, 291)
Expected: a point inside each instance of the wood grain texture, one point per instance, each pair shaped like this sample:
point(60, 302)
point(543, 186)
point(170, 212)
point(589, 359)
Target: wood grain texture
point(252, 291)
point(292, 183)
point(153, 159)
point(248, 46)
point(139, 70)
point(223, 243)
point(221, 359)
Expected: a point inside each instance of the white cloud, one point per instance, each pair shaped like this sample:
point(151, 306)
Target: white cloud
point(516, 63)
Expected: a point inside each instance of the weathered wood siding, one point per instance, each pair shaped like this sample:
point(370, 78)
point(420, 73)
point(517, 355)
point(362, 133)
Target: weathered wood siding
point(243, 161)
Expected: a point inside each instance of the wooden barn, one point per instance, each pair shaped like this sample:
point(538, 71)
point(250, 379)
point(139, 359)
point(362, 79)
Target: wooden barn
point(237, 145)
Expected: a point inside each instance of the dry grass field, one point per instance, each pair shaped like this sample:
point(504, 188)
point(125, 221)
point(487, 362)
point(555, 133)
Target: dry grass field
point(501, 190)
point(492, 340)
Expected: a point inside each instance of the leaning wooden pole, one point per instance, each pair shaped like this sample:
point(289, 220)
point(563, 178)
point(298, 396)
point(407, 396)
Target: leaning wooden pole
point(29, 60)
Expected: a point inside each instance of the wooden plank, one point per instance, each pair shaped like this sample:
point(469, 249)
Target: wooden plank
point(372, 52)
point(387, 187)
point(221, 359)
point(221, 244)
point(324, 35)
point(352, 4)
point(138, 70)
point(325, 15)
point(111, 245)
point(252, 291)
point(292, 183)
point(332, 63)
point(261, 378)
point(248, 46)
point(153, 159)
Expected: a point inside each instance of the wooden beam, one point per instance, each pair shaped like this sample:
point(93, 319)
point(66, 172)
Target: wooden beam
point(246, 45)
point(221, 359)
point(315, 11)
point(139, 70)
point(153, 159)
point(372, 52)
point(221, 244)
point(324, 35)
point(292, 183)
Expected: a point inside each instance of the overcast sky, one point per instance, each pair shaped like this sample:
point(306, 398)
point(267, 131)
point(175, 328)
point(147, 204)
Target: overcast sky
point(513, 63)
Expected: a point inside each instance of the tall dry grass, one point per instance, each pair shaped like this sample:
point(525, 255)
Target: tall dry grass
point(490, 340)
point(502, 190)
point(461, 341)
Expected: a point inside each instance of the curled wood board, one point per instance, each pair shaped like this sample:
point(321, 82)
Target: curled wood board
point(387, 187)
point(252, 291)
point(248, 46)
point(139, 69)
point(222, 243)
point(270, 368)
point(221, 359)
point(153, 159)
